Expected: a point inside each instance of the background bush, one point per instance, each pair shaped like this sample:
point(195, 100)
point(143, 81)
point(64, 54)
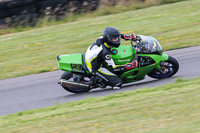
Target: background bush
point(27, 12)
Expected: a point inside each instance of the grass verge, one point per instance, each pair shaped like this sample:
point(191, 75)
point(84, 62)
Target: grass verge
point(101, 11)
point(170, 108)
point(35, 51)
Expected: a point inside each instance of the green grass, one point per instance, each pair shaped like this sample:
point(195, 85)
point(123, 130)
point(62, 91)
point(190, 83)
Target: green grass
point(34, 51)
point(171, 108)
point(101, 11)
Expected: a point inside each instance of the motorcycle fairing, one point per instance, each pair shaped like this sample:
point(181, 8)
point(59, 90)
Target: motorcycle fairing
point(71, 63)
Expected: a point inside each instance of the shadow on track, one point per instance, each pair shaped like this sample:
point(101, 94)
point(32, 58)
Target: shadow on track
point(129, 86)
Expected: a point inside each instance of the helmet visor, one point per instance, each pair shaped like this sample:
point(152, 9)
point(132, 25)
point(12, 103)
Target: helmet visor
point(116, 39)
point(113, 38)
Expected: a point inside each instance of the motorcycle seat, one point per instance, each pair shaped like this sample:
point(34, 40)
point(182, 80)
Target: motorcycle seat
point(84, 64)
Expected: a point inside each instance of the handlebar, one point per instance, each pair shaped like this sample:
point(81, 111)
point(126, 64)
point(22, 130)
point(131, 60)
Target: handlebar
point(137, 43)
point(136, 40)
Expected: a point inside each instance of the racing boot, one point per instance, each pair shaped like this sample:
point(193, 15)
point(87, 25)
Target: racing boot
point(116, 88)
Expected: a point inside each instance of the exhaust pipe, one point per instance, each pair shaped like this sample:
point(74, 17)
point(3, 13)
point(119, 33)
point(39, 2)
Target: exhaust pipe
point(66, 83)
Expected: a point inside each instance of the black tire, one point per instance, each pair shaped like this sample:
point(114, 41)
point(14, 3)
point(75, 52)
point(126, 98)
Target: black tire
point(38, 0)
point(3, 14)
point(2, 5)
point(22, 10)
point(172, 66)
point(68, 76)
point(18, 3)
point(2, 23)
point(61, 2)
point(44, 5)
point(27, 19)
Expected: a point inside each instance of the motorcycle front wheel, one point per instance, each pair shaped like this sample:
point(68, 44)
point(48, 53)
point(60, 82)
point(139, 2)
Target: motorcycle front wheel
point(69, 76)
point(168, 69)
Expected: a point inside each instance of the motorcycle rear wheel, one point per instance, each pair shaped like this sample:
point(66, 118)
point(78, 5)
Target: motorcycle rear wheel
point(69, 76)
point(168, 69)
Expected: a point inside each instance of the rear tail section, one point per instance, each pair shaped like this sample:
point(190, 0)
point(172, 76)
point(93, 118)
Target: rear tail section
point(71, 63)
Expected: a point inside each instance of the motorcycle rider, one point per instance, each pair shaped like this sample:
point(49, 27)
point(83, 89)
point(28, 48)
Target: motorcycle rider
point(100, 52)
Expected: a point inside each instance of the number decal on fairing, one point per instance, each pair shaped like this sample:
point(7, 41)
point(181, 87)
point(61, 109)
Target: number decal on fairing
point(77, 67)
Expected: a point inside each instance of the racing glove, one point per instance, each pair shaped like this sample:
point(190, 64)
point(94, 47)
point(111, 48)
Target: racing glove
point(129, 37)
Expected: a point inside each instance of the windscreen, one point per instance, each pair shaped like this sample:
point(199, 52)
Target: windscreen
point(149, 44)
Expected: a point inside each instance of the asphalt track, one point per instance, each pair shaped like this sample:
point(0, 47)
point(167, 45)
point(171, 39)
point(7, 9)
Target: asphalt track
point(41, 90)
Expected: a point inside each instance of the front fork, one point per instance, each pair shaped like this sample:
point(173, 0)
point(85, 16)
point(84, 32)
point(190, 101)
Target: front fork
point(157, 58)
point(164, 58)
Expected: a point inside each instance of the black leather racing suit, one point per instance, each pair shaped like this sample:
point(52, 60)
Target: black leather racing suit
point(96, 55)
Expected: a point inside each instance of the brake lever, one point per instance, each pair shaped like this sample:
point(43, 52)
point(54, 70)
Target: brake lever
point(134, 45)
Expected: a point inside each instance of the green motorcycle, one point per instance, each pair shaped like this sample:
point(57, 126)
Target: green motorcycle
point(151, 62)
